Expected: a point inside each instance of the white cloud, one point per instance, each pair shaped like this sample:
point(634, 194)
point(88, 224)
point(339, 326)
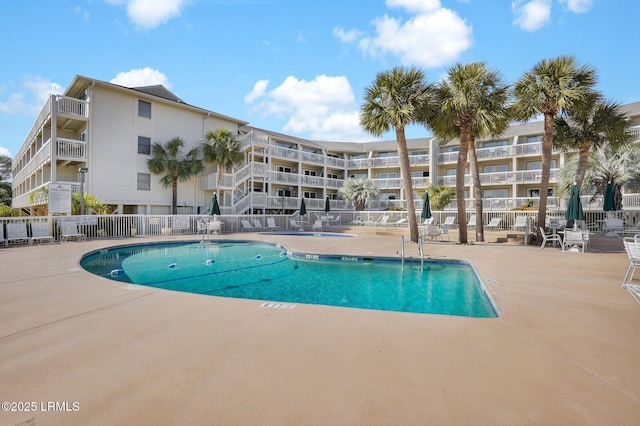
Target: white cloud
point(141, 77)
point(577, 6)
point(259, 89)
point(4, 151)
point(347, 36)
point(29, 98)
point(147, 14)
point(532, 15)
point(433, 37)
point(321, 109)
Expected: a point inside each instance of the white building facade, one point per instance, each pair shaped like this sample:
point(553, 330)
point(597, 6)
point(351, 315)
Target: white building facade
point(109, 129)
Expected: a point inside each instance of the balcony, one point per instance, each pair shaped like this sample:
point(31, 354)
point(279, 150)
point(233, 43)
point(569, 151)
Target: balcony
point(71, 150)
point(501, 178)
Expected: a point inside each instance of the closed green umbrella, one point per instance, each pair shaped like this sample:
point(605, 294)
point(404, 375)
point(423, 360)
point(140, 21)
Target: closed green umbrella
point(426, 207)
point(303, 208)
point(214, 208)
point(574, 209)
point(327, 207)
point(609, 200)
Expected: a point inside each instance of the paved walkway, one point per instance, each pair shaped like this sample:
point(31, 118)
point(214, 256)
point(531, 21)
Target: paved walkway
point(565, 350)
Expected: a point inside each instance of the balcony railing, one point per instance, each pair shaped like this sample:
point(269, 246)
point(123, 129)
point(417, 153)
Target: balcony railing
point(70, 149)
point(502, 178)
point(72, 107)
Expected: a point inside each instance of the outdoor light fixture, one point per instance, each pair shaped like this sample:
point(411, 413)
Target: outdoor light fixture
point(82, 171)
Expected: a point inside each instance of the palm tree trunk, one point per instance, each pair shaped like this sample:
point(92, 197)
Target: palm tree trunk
point(174, 197)
point(547, 145)
point(462, 162)
point(583, 161)
point(477, 188)
point(405, 169)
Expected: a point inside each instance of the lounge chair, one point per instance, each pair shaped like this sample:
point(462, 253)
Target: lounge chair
point(3, 240)
point(553, 237)
point(449, 221)
point(295, 226)
point(317, 226)
point(246, 226)
point(40, 232)
point(472, 221)
point(634, 290)
point(258, 225)
point(494, 223)
point(613, 226)
point(520, 224)
point(357, 221)
point(632, 247)
point(271, 224)
point(70, 230)
point(399, 222)
point(17, 233)
point(572, 240)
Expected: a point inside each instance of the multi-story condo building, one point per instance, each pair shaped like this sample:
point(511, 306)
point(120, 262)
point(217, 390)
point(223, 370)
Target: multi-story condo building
point(108, 130)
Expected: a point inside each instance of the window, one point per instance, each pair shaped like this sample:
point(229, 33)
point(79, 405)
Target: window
point(531, 139)
point(310, 173)
point(387, 154)
point(537, 165)
point(144, 109)
point(492, 144)
point(495, 193)
point(309, 194)
point(144, 145)
point(495, 168)
point(283, 169)
point(333, 176)
point(419, 153)
point(388, 175)
point(144, 181)
point(357, 156)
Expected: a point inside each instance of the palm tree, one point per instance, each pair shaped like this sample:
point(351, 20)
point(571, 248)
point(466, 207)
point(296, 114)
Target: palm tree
point(440, 196)
point(473, 102)
point(397, 98)
point(358, 192)
point(551, 87)
point(591, 124)
point(604, 164)
point(223, 149)
point(169, 159)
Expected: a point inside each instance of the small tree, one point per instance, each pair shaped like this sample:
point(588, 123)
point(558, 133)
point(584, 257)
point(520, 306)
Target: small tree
point(224, 150)
point(440, 197)
point(358, 191)
point(169, 159)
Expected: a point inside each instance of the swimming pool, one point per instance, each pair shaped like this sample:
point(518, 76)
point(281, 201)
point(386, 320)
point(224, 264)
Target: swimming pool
point(268, 272)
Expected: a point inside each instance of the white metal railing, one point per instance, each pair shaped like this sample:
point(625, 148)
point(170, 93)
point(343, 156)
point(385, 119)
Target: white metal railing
point(71, 149)
point(71, 106)
point(498, 178)
point(37, 125)
point(41, 157)
point(498, 152)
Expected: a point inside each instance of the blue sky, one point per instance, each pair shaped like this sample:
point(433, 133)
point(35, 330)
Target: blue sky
point(295, 66)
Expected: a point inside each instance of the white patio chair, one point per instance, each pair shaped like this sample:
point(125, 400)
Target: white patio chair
point(549, 238)
point(70, 230)
point(271, 224)
point(472, 221)
point(494, 223)
point(40, 232)
point(295, 226)
point(449, 221)
point(632, 247)
point(357, 221)
point(258, 225)
point(520, 223)
point(573, 239)
point(246, 225)
point(317, 226)
point(17, 233)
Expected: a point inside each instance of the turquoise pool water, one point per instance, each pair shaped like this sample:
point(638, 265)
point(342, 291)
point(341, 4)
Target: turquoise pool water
point(262, 271)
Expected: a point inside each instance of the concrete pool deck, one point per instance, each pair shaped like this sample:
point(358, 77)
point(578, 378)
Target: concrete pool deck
point(565, 350)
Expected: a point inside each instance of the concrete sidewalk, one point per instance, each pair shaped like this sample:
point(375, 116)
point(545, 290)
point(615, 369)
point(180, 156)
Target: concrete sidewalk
point(565, 349)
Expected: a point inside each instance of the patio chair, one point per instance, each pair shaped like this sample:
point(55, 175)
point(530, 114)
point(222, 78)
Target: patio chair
point(70, 230)
point(612, 226)
point(494, 223)
point(572, 240)
point(449, 221)
point(40, 232)
point(3, 240)
point(472, 221)
point(634, 290)
point(432, 232)
point(295, 226)
point(357, 221)
point(520, 223)
point(317, 226)
point(258, 225)
point(246, 225)
point(398, 222)
point(632, 247)
point(17, 233)
point(271, 224)
point(552, 237)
